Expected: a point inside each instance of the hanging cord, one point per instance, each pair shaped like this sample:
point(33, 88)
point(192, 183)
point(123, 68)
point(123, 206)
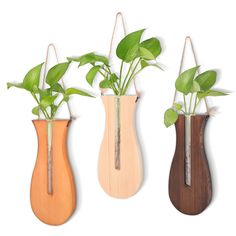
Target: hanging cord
point(51, 45)
point(119, 14)
point(188, 39)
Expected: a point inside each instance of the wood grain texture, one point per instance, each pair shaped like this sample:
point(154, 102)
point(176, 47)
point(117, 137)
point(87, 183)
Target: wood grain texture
point(192, 199)
point(55, 208)
point(126, 181)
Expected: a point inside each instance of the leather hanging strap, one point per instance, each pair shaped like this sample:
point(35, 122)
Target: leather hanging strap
point(188, 39)
point(119, 15)
point(51, 45)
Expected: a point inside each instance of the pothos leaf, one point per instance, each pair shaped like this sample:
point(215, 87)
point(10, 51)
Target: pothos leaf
point(48, 101)
point(17, 85)
point(91, 58)
point(128, 43)
point(113, 78)
point(44, 93)
point(145, 54)
point(56, 73)
point(54, 108)
point(105, 84)
point(57, 88)
point(206, 80)
point(36, 110)
point(184, 82)
point(195, 87)
point(209, 93)
point(32, 78)
point(178, 106)
point(170, 117)
point(92, 74)
point(71, 91)
point(132, 53)
point(146, 64)
point(153, 46)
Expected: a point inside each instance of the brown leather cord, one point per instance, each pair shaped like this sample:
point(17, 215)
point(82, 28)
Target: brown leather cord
point(188, 39)
point(119, 14)
point(51, 45)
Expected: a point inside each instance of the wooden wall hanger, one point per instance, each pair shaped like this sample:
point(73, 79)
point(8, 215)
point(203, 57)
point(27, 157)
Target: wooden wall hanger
point(120, 167)
point(190, 188)
point(52, 194)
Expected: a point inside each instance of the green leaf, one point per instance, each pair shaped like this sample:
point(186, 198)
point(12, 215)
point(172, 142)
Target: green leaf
point(178, 106)
point(145, 54)
point(152, 45)
point(84, 59)
point(48, 101)
point(129, 44)
point(146, 64)
point(36, 110)
point(92, 74)
point(113, 78)
point(105, 84)
point(170, 117)
point(32, 78)
point(66, 98)
point(209, 93)
point(44, 93)
point(35, 89)
point(56, 73)
point(184, 82)
point(132, 53)
point(206, 79)
point(57, 88)
point(71, 91)
point(99, 58)
point(195, 87)
point(17, 85)
point(89, 58)
point(54, 108)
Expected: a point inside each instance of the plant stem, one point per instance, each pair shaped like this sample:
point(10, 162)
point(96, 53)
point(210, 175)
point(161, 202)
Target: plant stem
point(44, 111)
point(123, 85)
point(190, 103)
point(131, 77)
point(108, 68)
point(107, 71)
point(114, 89)
point(138, 72)
point(120, 77)
point(55, 112)
point(196, 104)
point(102, 74)
point(112, 85)
point(185, 105)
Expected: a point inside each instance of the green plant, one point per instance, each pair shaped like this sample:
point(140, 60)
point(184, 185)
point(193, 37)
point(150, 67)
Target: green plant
point(196, 88)
point(47, 99)
point(131, 51)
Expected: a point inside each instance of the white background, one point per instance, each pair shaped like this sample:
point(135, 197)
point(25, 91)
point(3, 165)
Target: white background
point(77, 27)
